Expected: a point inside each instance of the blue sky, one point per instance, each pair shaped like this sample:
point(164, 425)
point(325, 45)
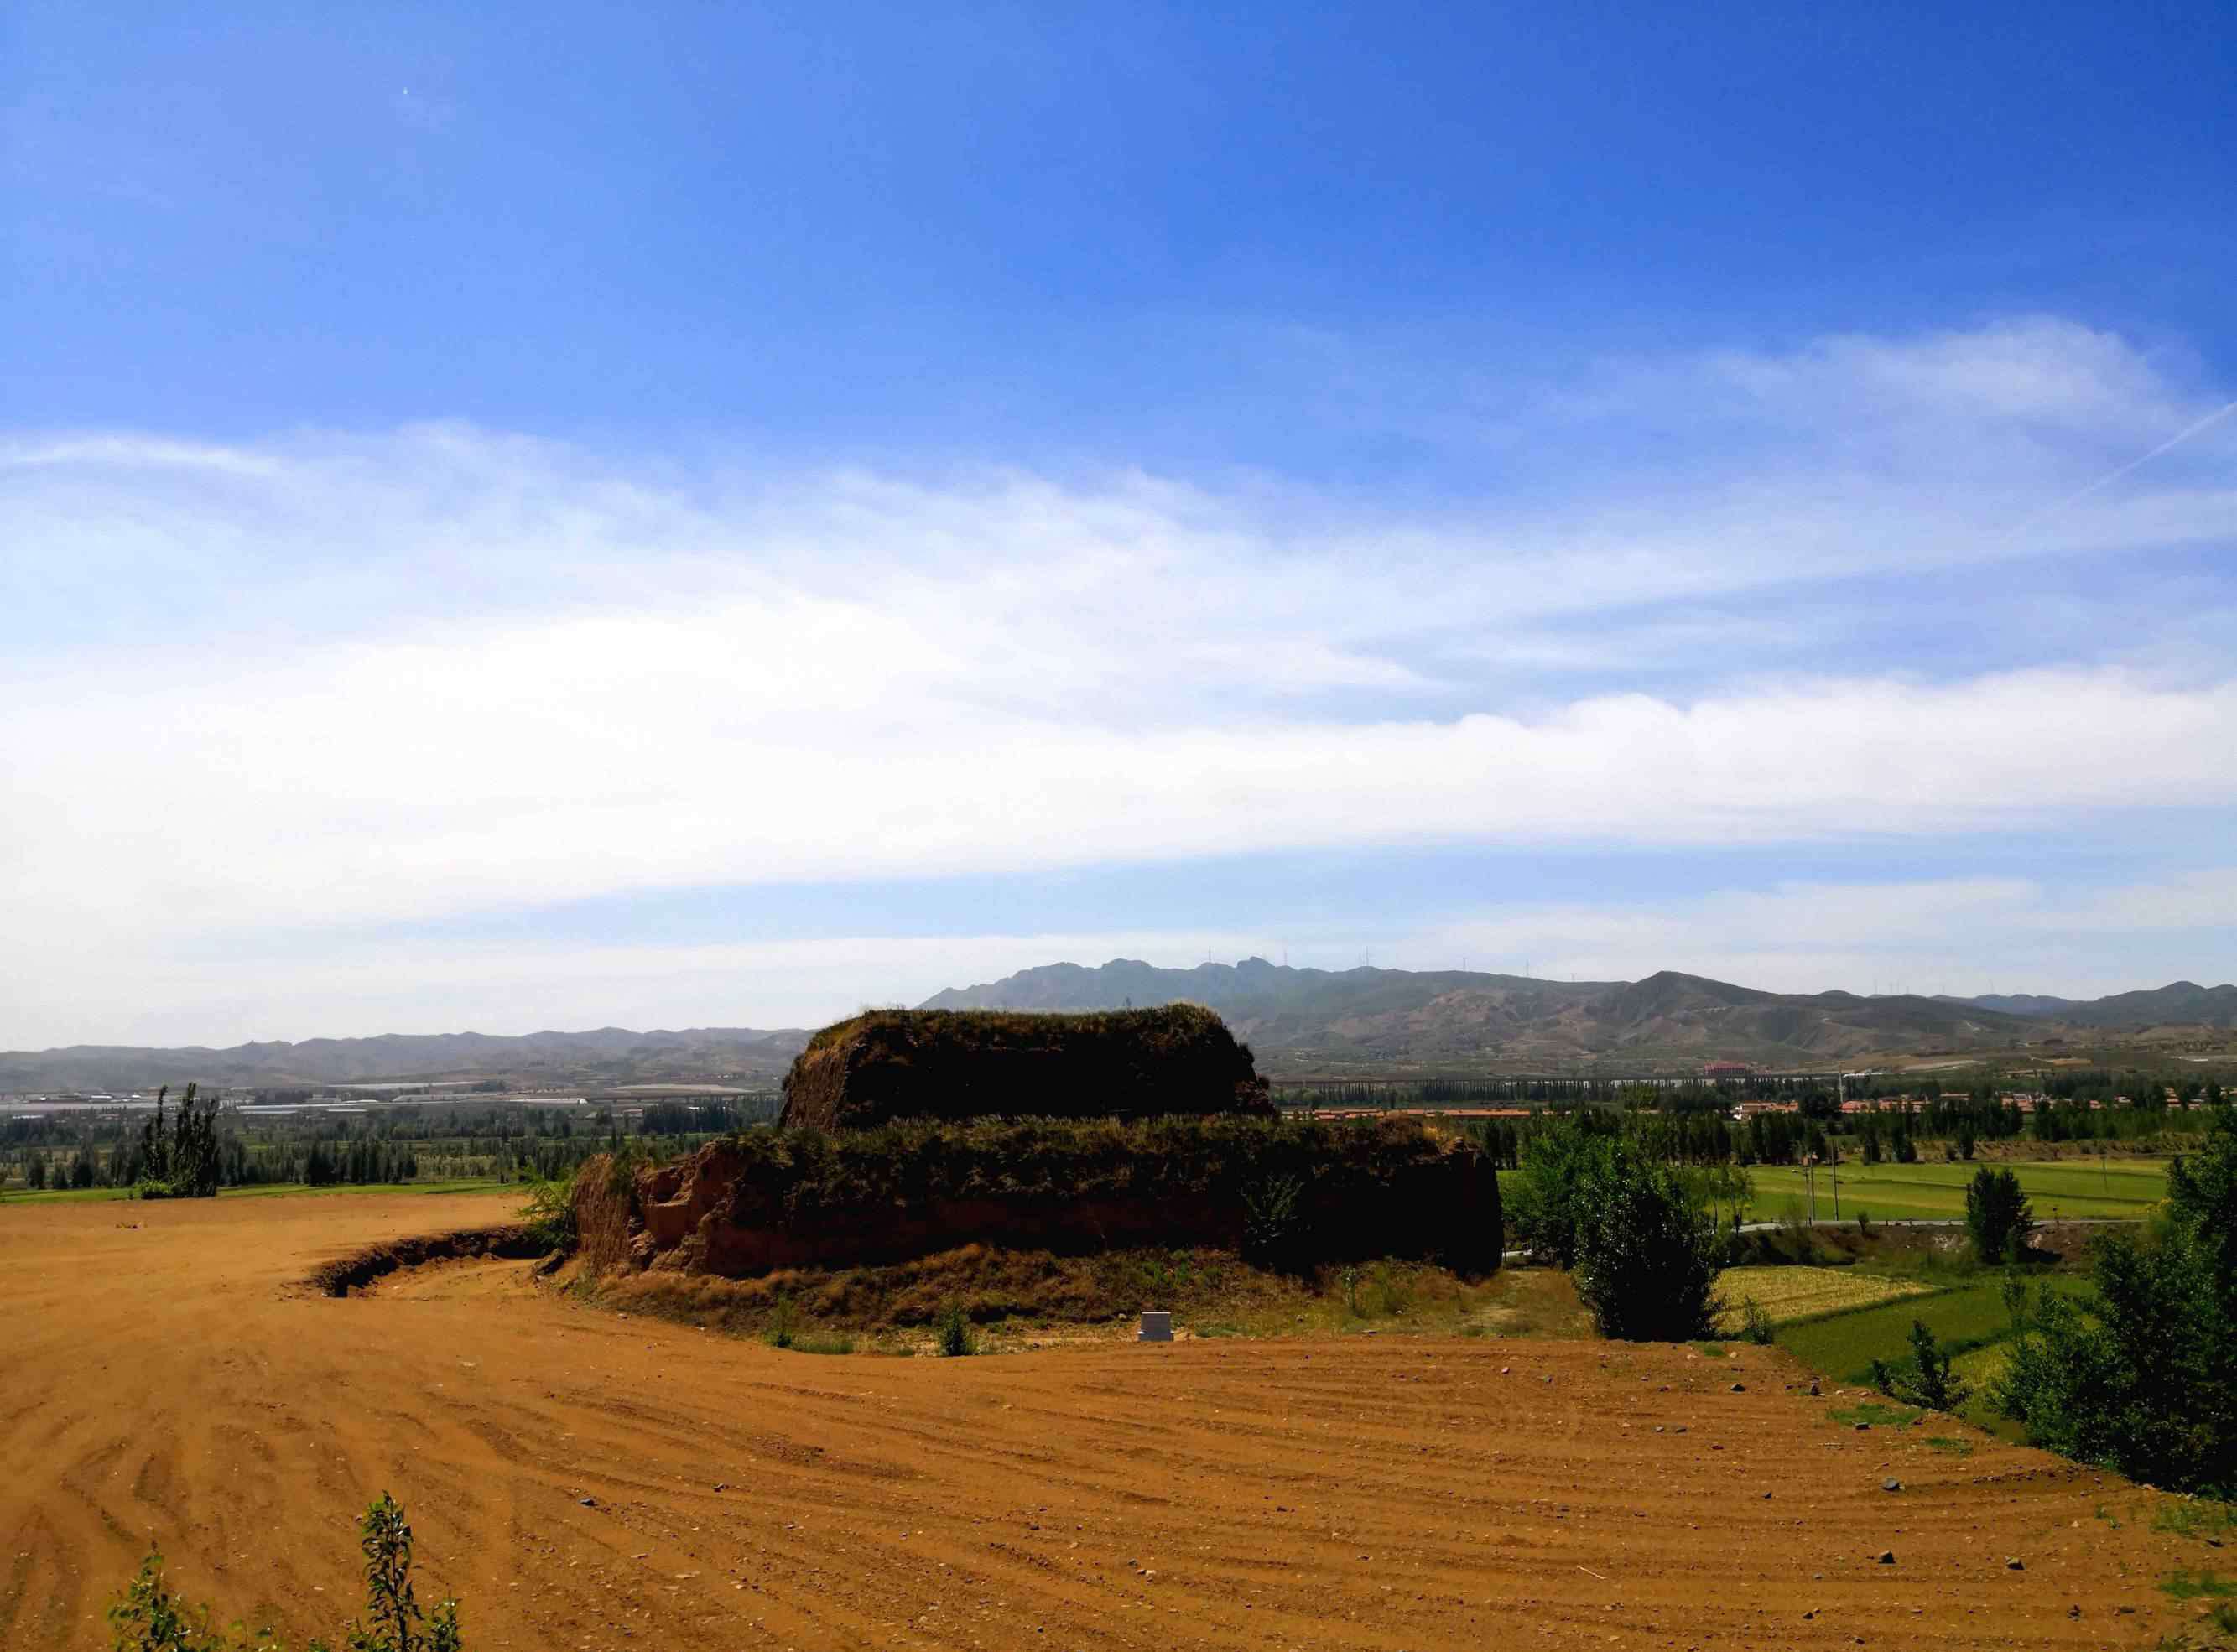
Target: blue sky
point(520, 516)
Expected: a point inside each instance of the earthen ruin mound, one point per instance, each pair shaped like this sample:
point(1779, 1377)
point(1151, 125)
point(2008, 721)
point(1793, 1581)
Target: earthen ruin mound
point(888, 1064)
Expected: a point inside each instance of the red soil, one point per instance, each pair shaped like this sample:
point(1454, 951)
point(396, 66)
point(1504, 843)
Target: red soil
point(163, 1372)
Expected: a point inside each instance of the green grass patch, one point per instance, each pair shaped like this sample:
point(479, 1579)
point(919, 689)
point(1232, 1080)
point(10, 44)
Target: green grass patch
point(2190, 1518)
point(1964, 1318)
point(2122, 1188)
point(2184, 1585)
point(1950, 1444)
point(1877, 1414)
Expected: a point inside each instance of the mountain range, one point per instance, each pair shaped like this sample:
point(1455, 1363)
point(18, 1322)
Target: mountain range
point(605, 1055)
point(1299, 1021)
point(1294, 1017)
point(2177, 1003)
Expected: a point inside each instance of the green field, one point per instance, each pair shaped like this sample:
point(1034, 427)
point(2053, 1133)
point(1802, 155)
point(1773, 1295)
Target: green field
point(275, 1190)
point(1968, 1321)
point(2122, 1188)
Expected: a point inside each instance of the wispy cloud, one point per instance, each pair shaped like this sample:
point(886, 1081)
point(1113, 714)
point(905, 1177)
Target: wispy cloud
point(395, 678)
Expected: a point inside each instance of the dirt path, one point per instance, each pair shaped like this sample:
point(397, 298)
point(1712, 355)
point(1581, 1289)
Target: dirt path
point(589, 1482)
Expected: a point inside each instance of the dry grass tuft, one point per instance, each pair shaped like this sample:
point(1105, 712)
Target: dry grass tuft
point(1043, 1296)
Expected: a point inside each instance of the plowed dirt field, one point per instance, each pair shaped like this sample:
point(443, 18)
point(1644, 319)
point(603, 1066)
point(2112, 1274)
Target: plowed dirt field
point(589, 1482)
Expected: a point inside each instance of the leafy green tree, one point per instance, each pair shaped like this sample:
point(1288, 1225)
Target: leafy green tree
point(1542, 1203)
point(1997, 1215)
point(2139, 1380)
point(1869, 1129)
point(1647, 1251)
point(179, 1157)
point(1927, 1380)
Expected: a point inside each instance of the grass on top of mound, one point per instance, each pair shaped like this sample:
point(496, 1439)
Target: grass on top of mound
point(885, 1064)
point(1161, 1030)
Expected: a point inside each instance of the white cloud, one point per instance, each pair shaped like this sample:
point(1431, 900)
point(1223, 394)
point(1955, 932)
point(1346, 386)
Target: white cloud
point(795, 739)
point(403, 677)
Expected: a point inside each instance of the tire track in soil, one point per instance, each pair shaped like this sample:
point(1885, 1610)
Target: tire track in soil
point(1386, 1494)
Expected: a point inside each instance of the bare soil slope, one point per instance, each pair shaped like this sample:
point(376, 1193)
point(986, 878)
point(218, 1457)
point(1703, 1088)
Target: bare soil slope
point(586, 1481)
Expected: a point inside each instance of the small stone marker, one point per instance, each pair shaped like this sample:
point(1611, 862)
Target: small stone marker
point(1157, 1327)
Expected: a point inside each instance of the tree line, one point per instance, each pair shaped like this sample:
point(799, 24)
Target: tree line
point(211, 1149)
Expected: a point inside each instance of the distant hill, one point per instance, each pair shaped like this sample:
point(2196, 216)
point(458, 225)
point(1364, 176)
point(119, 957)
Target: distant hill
point(1298, 1019)
point(1292, 1016)
point(2180, 1003)
point(2015, 1004)
point(608, 1055)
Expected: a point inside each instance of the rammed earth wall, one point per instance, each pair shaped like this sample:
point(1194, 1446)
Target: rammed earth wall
point(796, 1198)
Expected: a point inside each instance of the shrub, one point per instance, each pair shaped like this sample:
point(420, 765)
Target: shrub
point(957, 1340)
point(780, 1329)
point(1927, 1382)
point(1646, 1252)
point(1273, 1222)
point(146, 1617)
point(1755, 1319)
point(1392, 1294)
point(551, 1212)
point(1997, 1215)
point(387, 1544)
point(2139, 1380)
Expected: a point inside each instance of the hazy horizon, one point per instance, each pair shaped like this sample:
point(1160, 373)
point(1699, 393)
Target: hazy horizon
point(763, 1024)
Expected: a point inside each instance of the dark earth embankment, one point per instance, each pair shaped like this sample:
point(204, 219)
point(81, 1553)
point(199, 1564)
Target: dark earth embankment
point(1284, 1193)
